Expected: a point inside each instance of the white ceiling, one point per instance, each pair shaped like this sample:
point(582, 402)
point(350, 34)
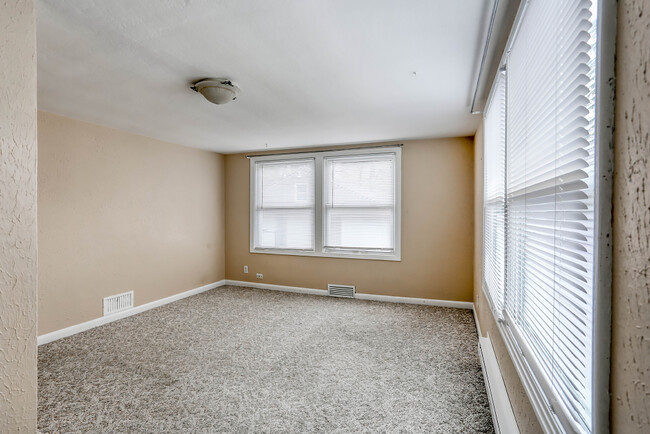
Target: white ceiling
point(312, 72)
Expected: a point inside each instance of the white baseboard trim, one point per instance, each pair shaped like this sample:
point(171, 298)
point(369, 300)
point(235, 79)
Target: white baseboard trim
point(78, 328)
point(502, 414)
point(413, 300)
point(360, 296)
point(297, 289)
point(478, 324)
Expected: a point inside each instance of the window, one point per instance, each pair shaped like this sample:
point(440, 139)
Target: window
point(360, 203)
point(494, 218)
point(541, 241)
point(284, 207)
point(336, 203)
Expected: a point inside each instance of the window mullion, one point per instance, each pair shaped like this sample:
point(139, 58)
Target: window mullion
point(319, 209)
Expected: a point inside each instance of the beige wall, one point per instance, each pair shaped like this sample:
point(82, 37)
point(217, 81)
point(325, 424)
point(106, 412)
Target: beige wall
point(119, 212)
point(524, 413)
point(18, 245)
point(630, 376)
point(437, 231)
point(630, 354)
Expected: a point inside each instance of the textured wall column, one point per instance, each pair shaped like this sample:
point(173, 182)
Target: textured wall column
point(17, 216)
point(630, 371)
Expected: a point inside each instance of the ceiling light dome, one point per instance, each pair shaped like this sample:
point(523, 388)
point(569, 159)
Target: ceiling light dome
point(217, 90)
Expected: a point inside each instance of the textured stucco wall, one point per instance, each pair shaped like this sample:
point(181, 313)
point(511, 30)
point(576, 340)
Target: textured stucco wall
point(524, 413)
point(630, 369)
point(120, 212)
point(17, 217)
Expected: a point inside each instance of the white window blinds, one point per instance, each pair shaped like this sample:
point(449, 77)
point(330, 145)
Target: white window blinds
point(494, 195)
point(550, 192)
point(284, 205)
point(359, 203)
point(547, 297)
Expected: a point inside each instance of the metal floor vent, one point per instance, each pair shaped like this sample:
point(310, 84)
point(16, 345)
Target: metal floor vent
point(340, 290)
point(118, 303)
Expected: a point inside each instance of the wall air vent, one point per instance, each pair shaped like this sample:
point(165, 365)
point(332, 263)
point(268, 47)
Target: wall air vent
point(118, 303)
point(346, 291)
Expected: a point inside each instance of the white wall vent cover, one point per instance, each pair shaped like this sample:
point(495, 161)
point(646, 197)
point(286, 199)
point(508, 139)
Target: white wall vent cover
point(340, 290)
point(118, 303)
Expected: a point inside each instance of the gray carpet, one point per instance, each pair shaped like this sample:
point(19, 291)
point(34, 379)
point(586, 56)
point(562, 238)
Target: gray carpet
point(248, 360)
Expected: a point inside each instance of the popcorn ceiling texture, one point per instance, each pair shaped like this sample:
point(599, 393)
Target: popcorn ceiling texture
point(17, 217)
point(630, 371)
point(250, 360)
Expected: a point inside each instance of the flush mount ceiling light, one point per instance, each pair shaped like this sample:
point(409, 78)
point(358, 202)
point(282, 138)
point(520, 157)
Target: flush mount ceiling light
point(216, 90)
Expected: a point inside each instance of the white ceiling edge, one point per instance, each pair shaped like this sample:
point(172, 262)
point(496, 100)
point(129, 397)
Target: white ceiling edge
point(270, 149)
point(503, 22)
point(312, 73)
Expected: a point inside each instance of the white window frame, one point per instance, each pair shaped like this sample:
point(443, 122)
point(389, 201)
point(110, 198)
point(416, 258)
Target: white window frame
point(319, 200)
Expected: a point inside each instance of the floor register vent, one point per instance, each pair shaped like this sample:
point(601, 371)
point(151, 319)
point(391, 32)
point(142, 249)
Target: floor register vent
point(346, 291)
point(118, 303)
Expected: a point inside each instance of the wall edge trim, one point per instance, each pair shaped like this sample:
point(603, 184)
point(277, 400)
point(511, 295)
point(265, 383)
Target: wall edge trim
point(413, 300)
point(272, 287)
point(78, 328)
point(358, 295)
point(476, 321)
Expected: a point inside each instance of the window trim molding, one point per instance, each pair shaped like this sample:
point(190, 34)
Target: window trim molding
point(603, 214)
point(318, 157)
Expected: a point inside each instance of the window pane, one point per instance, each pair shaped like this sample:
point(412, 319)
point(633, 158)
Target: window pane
point(360, 202)
point(286, 229)
point(368, 228)
point(284, 204)
point(494, 225)
point(550, 201)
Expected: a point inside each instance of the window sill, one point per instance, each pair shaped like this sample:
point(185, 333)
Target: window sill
point(395, 257)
